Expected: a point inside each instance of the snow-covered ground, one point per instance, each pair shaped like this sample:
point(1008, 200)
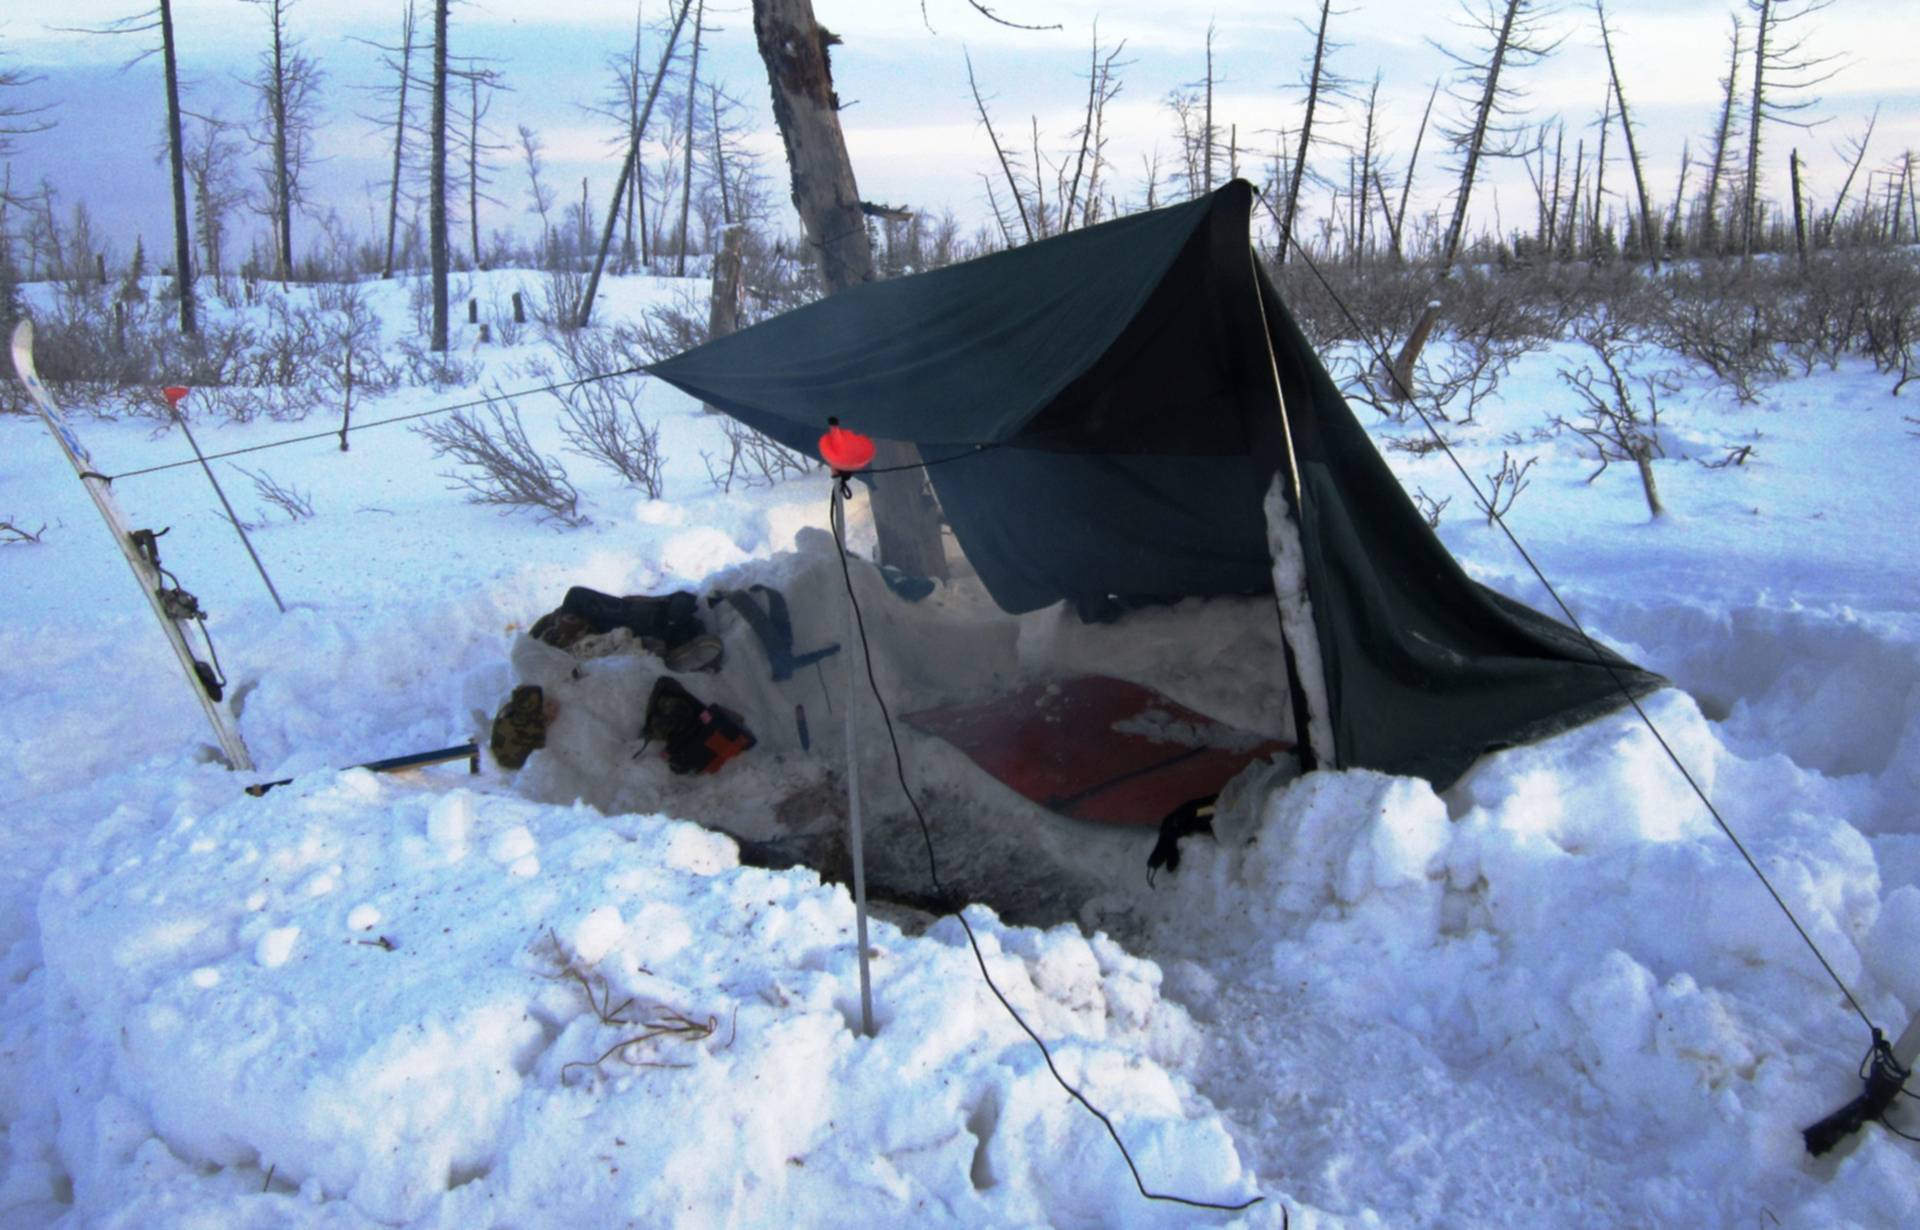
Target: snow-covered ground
point(1553, 995)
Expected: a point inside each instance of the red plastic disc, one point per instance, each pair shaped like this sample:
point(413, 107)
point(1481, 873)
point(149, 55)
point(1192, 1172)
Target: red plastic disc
point(175, 394)
point(845, 450)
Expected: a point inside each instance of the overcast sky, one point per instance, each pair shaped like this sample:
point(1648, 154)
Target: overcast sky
point(909, 118)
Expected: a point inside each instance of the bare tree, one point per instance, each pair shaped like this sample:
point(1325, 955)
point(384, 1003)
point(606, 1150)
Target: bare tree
point(212, 160)
point(1413, 159)
point(402, 68)
point(631, 85)
point(1722, 143)
point(530, 150)
point(1781, 65)
point(160, 19)
point(1102, 88)
point(627, 168)
point(693, 95)
point(1321, 82)
point(1596, 212)
point(287, 92)
point(805, 108)
point(1649, 234)
point(1487, 129)
point(1368, 150)
point(1622, 410)
point(480, 146)
point(1000, 153)
point(1859, 146)
point(1207, 129)
point(19, 119)
point(437, 178)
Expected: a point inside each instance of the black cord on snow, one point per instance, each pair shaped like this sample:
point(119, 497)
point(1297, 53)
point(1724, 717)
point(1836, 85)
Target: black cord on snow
point(1574, 620)
point(836, 518)
point(337, 432)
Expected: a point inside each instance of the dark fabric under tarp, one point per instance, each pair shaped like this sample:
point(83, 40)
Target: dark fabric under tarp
point(1104, 412)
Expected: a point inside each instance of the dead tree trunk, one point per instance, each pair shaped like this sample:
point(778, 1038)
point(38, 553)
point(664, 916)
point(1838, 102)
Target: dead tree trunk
point(399, 139)
point(628, 169)
point(1860, 155)
point(723, 309)
point(1413, 160)
point(1799, 210)
point(1477, 135)
point(437, 178)
point(806, 109)
point(473, 167)
point(1750, 210)
point(282, 184)
point(1207, 132)
point(1400, 376)
point(686, 178)
point(1649, 236)
point(1723, 134)
point(1306, 132)
point(177, 167)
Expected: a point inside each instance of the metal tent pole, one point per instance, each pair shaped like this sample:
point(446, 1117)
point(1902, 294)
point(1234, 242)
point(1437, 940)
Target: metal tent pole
point(853, 777)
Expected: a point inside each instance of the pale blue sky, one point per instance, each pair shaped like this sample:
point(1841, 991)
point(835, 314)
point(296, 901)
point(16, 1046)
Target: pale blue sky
point(910, 123)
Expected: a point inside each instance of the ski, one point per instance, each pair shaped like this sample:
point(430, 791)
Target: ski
point(172, 606)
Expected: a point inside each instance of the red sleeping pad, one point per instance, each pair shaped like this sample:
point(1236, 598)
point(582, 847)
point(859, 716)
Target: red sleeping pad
point(1099, 749)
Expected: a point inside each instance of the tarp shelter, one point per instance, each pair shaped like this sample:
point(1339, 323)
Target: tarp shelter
point(1130, 410)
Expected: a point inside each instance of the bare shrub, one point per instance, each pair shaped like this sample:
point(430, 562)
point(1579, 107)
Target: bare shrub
point(1726, 323)
point(1621, 410)
point(510, 472)
point(599, 364)
point(754, 459)
point(666, 329)
point(1890, 317)
point(1418, 446)
point(297, 504)
point(440, 370)
point(1503, 486)
point(563, 296)
point(1430, 508)
point(13, 530)
point(506, 330)
point(602, 422)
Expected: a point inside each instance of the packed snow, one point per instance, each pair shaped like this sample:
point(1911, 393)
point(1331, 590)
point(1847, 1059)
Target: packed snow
point(1553, 994)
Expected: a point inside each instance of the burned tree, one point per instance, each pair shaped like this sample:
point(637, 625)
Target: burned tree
point(630, 167)
point(287, 92)
point(806, 110)
point(1486, 129)
point(1649, 234)
point(1781, 65)
point(1722, 143)
point(1321, 82)
point(437, 178)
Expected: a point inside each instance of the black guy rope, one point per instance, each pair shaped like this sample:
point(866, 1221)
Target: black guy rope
point(1599, 656)
point(836, 515)
point(335, 433)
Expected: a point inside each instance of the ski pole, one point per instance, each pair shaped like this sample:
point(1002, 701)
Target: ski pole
point(175, 394)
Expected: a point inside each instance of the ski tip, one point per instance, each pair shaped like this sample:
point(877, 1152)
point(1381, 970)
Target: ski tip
point(23, 349)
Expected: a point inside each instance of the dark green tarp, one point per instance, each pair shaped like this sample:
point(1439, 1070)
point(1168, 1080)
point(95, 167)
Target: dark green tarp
point(1102, 416)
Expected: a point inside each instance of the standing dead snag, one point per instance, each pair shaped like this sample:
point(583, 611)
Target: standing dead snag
point(806, 110)
point(629, 168)
point(1781, 64)
point(1320, 82)
point(1486, 132)
point(437, 179)
point(1649, 234)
